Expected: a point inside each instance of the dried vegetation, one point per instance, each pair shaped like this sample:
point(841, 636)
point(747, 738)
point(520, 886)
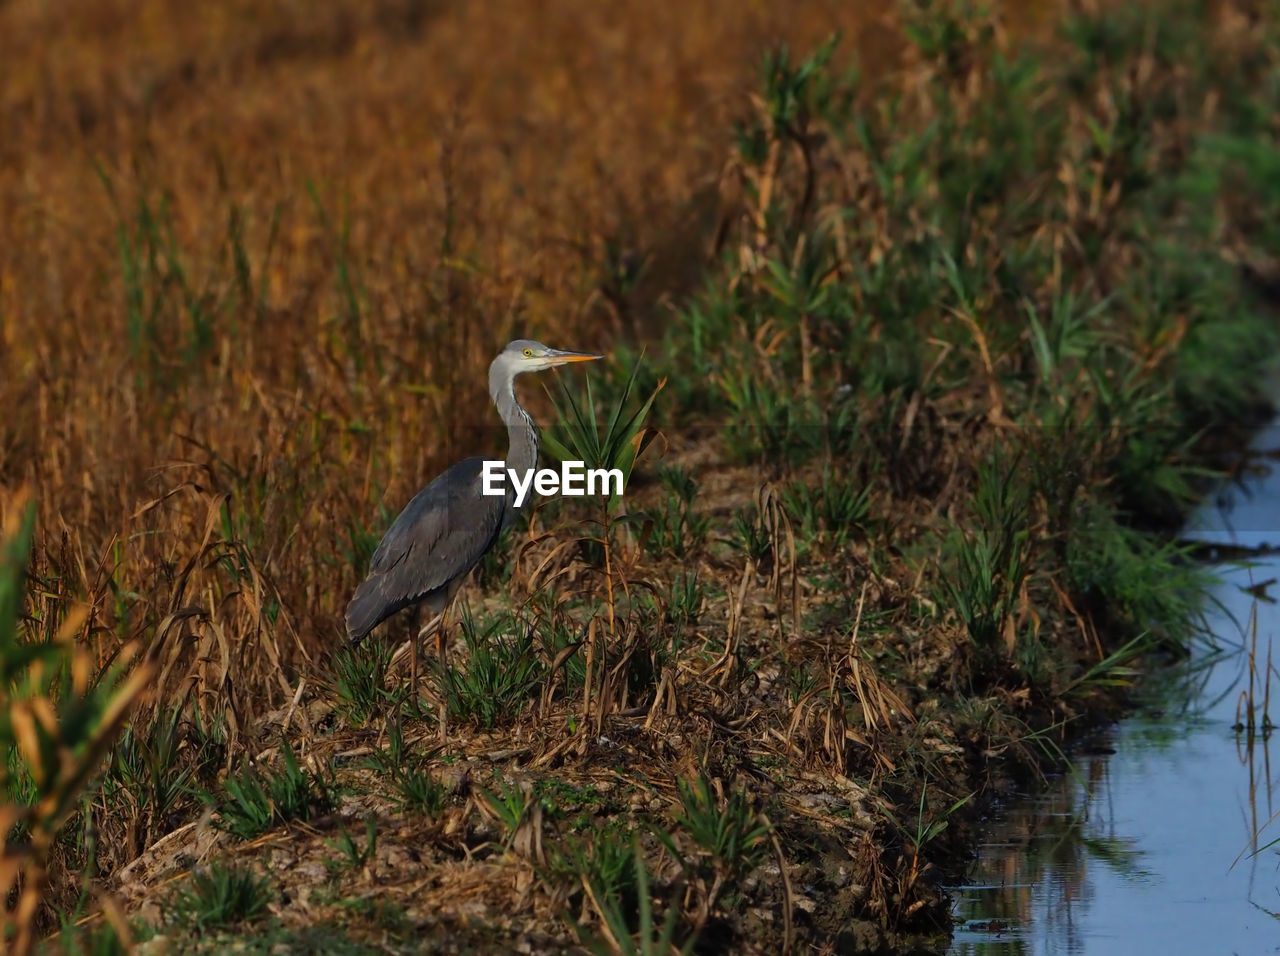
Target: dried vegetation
point(934, 353)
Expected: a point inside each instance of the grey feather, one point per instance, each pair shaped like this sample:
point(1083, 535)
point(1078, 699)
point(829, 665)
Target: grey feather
point(438, 538)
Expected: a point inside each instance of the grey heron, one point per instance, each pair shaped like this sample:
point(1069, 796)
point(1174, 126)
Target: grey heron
point(450, 524)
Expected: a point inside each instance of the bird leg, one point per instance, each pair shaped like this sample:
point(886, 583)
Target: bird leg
point(442, 649)
point(413, 664)
point(441, 645)
point(431, 627)
point(416, 631)
point(436, 627)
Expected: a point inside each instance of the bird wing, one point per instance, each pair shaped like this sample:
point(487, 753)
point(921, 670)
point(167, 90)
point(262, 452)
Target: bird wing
point(437, 538)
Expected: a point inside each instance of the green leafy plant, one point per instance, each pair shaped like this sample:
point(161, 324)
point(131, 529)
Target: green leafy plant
point(684, 600)
point(750, 536)
point(579, 437)
point(220, 897)
point(420, 790)
point(677, 527)
point(416, 787)
point(991, 564)
point(733, 835)
point(511, 806)
point(833, 509)
point(616, 881)
point(768, 421)
point(256, 801)
point(147, 771)
point(360, 680)
point(60, 712)
point(351, 855)
point(502, 673)
point(924, 829)
point(617, 446)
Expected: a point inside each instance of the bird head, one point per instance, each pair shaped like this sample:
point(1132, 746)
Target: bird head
point(525, 355)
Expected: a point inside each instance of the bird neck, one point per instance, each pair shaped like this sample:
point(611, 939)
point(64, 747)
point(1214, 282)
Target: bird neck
point(522, 433)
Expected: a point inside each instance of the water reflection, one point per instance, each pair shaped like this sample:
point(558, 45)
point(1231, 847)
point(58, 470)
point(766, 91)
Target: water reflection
point(1163, 845)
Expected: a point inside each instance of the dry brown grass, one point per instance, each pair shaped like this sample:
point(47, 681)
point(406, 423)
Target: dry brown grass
point(352, 207)
point(476, 164)
point(480, 159)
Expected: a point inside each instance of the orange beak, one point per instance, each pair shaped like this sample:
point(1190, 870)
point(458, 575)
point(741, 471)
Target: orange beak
point(564, 358)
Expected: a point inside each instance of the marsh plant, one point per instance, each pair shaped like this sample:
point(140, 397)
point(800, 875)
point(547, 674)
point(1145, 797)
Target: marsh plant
point(617, 882)
point(60, 715)
point(220, 896)
point(678, 528)
point(913, 364)
point(256, 800)
point(501, 675)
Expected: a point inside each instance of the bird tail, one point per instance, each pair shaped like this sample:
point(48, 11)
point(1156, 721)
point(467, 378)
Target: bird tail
point(365, 612)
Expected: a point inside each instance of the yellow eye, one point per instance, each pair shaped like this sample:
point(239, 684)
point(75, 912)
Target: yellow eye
point(528, 353)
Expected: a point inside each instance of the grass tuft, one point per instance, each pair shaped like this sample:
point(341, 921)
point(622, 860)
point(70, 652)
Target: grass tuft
point(221, 896)
point(255, 801)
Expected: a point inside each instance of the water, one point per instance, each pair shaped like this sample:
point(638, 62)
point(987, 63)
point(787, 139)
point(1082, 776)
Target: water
point(1159, 847)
